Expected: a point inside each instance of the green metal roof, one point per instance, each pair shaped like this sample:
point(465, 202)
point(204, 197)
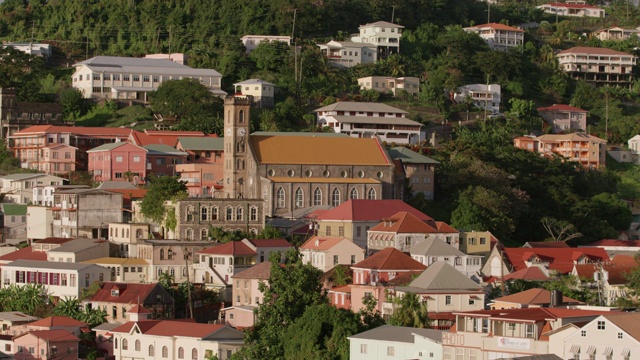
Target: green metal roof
point(157, 149)
point(202, 143)
point(108, 146)
point(299, 133)
point(14, 209)
point(409, 156)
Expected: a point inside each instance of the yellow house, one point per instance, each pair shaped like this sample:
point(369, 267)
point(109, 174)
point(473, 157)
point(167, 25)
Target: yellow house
point(476, 242)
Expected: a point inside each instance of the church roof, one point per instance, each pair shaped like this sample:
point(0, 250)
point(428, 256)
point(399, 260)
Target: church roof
point(306, 150)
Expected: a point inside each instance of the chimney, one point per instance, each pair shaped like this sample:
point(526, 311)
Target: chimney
point(556, 298)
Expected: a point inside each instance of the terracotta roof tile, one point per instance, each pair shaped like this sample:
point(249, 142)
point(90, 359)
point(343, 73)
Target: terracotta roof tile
point(230, 248)
point(496, 26)
point(403, 223)
point(171, 328)
point(24, 254)
point(532, 273)
point(560, 259)
point(53, 335)
point(370, 210)
point(55, 321)
point(261, 271)
point(129, 293)
point(561, 107)
point(139, 309)
point(591, 51)
point(389, 259)
point(322, 242)
point(534, 297)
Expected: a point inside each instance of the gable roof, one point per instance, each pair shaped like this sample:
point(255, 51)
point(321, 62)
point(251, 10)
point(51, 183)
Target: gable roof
point(533, 273)
point(202, 143)
point(52, 336)
point(561, 107)
point(628, 322)
point(535, 296)
point(382, 23)
point(57, 321)
point(113, 145)
point(591, 50)
point(323, 243)
point(435, 247)
point(409, 156)
point(370, 210)
point(26, 253)
point(253, 81)
point(495, 26)
point(399, 334)
point(165, 137)
point(98, 132)
point(546, 244)
point(305, 150)
point(389, 259)
point(404, 222)
point(616, 273)
point(129, 293)
point(170, 328)
point(230, 248)
point(143, 66)
point(361, 107)
point(14, 209)
point(261, 271)
point(560, 259)
point(442, 276)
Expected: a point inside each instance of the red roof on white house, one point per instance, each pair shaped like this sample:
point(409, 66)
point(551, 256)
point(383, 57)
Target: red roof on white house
point(560, 107)
point(230, 248)
point(76, 130)
point(389, 259)
point(370, 210)
point(559, 259)
point(573, 6)
point(591, 51)
point(496, 26)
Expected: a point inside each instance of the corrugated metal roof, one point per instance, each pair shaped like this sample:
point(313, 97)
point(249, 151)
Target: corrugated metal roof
point(375, 120)
point(409, 156)
point(361, 107)
point(162, 149)
point(202, 143)
point(118, 64)
point(14, 209)
point(399, 334)
point(435, 247)
point(442, 276)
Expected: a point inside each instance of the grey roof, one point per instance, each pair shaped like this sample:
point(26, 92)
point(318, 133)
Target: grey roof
point(21, 176)
point(16, 316)
point(113, 185)
point(110, 146)
point(349, 44)
point(361, 106)
point(398, 334)
point(118, 64)
point(77, 245)
point(162, 149)
point(35, 264)
point(534, 357)
point(107, 326)
point(382, 23)
point(435, 247)
point(442, 276)
point(202, 143)
point(253, 81)
point(299, 133)
point(375, 120)
point(409, 156)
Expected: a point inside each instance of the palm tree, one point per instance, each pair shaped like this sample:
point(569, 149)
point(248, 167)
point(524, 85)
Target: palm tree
point(411, 312)
point(69, 307)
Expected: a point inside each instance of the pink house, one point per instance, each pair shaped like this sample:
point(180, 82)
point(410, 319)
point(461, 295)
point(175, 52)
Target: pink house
point(119, 161)
point(46, 344)
point(52, 323)
point(564, 118)
point(57, 159)
point(340, 297)
point(246, 295)
point(204, 171)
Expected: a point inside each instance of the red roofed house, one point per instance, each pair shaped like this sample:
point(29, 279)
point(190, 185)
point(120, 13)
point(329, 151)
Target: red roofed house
point(498, 36)
point(264, 247)
point(47, 344)
point(404, 230)
point(531, 298)
point(573, 9)
point(246, 295)
point(601, 66)
point(325, 253)
point(508, 333)
point(163, 137)
point(353, 218)
point(170, 339)
point(117, 300)
point(556, 259)
point(564, 118)
point(28, 143)
point(371, 274)
point(609, 277)
point(219, 263)
point(588, 150)
point(614, 245)
point(53, 323)
point(118, 161)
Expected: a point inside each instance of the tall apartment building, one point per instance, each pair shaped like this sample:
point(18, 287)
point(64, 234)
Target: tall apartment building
point(588, 150)
point(498, 36)
point(600, 66)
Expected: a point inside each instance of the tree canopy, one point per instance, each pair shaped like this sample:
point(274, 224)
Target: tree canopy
point(159, 190)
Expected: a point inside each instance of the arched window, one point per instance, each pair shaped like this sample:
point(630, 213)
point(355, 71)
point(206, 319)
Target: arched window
point(122, 232)
point(241, 116)
point(139, 234)
point(151, 350)
point(180, 353)
point(214, 213)
point(189, 213)
point(239, 213)
point(203, 234)
point(173, 272)
point(354, 194)
point(229, 213)
point(335, 197)
point(204, 214)
point(280, 199)
point(265, 193)
point(253, 214)
point(189, 234)
point(125, 344)
point(137, 345)
point(299, 198)
point(372, 194)
point(110, 231)
point(317, 197)
point(161, 254)
point(165, 352)
point(194, 354)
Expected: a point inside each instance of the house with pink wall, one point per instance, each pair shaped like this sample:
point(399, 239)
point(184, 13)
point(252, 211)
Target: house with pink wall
point(114, 161)
point(325, 252)
point(46, 344)
point(246, 295)
point(203, 172)
point(57, 159)
point(163, 159)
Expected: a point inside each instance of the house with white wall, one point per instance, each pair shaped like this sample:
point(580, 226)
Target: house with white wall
point(572, 10)
point(498, 36)
point(325, 253)
point(216, 265)
point(433, 250)
point(396, 342)
point(262, 92)
point(18, 188)
point(251, 42)
point(484, 97)
point(385, 84)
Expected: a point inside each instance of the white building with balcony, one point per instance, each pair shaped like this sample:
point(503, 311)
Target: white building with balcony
point(366, 120)
point(59, 279)
point(385, 36)
point(262, 92)
point(386, 84)
point(485, 97)
point(216, 265)
point(348, 53)
point(251, 42)
point(131, 79)
point(564, 118)
point(498, 36)
point(617, 33)
point(573, 10)
point(599, 66)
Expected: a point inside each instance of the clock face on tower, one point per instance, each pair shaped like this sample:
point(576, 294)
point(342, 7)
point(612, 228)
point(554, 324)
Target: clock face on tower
point(229, 132)
point(241, 132)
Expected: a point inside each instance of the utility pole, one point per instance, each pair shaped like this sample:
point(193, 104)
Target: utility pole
point(186, 263)
point(170, 28)
point(87, 54)
point(295, 47)
point(489, 12)
point(393, 12)
point(33, 29)
point(486, 99)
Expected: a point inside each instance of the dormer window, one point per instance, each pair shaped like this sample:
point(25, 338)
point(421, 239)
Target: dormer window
point(115, 292)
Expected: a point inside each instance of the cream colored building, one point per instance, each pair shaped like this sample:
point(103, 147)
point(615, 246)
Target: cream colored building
point(617, 33)
point(476, 242)
point(325, 253)
point(588, 150)
point(130, 270)
point(498, 36)
point(572, 10)
point(246, 295)
point(252, 41)
point(600, 66)
point(263, 92)
point(386, 84)
point(484, 97)
point(125, 234)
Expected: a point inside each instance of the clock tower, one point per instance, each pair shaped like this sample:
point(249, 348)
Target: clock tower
point(236, 137)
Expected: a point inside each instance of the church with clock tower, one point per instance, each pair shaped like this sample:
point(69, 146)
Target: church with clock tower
point(297, 173)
